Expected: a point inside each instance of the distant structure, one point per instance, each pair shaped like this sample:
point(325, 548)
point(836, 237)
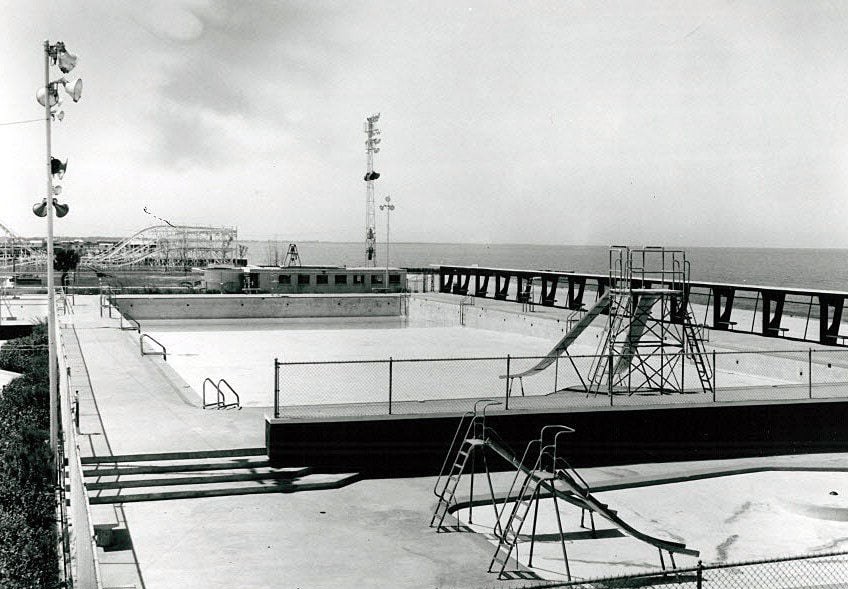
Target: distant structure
point(292, 257)
point(372, 132)
point(168, 246)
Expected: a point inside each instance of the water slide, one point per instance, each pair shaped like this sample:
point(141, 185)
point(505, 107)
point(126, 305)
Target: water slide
point(577, 494)
point(601, 305)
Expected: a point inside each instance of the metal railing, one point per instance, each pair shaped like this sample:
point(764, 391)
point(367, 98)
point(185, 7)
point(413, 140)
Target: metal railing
point(163, 352)
point(128, 322)
point(220, 397)
point(378, 387)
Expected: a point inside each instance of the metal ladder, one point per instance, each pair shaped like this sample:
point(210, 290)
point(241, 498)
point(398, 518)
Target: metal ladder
point(509, 537)
point(536, 479)
point(697, 353)
point(448, 481)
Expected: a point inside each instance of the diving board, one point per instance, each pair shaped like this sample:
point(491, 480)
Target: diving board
point(562, 345)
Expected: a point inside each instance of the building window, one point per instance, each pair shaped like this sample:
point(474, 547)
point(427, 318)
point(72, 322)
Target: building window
point(303, 278)
point(340, 279)
point(321, 279)
point(394, 278)
point(376, 279)
point(359, 278)
point(285, 279)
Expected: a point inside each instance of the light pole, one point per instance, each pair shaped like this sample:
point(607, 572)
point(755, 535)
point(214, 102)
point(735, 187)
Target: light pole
point(48, 96)
point(388, 207)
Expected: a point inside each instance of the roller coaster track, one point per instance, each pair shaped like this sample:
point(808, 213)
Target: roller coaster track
point(163, 245)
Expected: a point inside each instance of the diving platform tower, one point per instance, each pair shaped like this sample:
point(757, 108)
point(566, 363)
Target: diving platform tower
point(650, 331)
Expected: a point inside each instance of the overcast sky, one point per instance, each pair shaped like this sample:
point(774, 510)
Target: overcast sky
point(563, 122)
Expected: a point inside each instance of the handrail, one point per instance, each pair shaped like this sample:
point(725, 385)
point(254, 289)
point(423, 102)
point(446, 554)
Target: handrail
point(225, 405)
point(217, 402)
point(133, 323)
point(163, 353)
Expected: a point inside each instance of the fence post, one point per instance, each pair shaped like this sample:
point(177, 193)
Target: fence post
point(276, 388)
point(810, 371)
point(699, 575)
point(556, 372)
point(609, 373)
point(390, 385)
point(508, 382)
point(715, 369)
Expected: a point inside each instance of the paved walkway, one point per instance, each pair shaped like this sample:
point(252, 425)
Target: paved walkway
point(373, 533)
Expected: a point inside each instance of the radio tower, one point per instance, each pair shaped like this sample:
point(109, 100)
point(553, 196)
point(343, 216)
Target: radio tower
point(371, 148)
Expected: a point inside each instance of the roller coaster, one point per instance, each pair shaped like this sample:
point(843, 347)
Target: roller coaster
point(158, 246)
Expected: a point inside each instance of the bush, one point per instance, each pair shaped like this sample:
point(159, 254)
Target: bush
point(28, 547)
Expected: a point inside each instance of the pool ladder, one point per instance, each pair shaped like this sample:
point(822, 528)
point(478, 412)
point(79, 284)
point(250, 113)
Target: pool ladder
point(220, 401)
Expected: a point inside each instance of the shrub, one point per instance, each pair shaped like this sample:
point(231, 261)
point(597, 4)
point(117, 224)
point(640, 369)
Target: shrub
point(28, 548)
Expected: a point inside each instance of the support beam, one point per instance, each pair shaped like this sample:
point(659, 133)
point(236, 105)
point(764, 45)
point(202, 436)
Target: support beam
point(721, 313)
point(462, 280)
point(501, 286)
point(576, 286)
point(549, 289)
point(773, 301)
point(480, 288)
point(445, 279)
point(830, 306)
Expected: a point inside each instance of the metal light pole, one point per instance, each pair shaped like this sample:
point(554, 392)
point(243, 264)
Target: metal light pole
point(51, 307)
point(49, 97)
point(388, 207)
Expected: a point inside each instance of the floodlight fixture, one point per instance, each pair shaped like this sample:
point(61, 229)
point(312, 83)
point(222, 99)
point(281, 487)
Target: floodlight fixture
point(75, 90)
point(42, 95)
point(58, 167)
point(64, 59)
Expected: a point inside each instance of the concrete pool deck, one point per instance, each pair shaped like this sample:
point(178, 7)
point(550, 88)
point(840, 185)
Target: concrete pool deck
point(372, 533)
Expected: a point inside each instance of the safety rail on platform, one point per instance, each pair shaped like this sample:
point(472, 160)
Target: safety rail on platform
point(144, 336)
point(417, 385)
point(220, 397)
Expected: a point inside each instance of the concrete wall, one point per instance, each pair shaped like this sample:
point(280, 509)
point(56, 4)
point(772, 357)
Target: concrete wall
point(415, 445)
point(507, 317)
point(150, 307)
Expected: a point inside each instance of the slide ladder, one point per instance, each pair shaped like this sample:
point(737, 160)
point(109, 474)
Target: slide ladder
point(508, 539)
point(698, 353)
point(469, 437)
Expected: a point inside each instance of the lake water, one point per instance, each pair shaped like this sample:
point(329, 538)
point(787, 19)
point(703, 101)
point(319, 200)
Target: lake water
point(815, 269)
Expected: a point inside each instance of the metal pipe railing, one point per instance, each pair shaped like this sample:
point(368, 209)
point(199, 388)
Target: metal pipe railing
point(163, 353)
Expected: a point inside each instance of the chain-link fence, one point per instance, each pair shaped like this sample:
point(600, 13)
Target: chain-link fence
point(404, 386)
point(813, 571)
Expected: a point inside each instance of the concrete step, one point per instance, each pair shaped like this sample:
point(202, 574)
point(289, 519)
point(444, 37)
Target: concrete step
point(311, 482)
point(177, 466)
point(137, 481)
point(187, 455)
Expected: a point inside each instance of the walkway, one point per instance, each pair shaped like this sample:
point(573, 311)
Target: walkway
point(373, 533)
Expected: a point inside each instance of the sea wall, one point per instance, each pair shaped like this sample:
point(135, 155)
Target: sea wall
point(221, 306)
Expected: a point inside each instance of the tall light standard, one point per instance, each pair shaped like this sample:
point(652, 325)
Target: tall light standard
point(48, 96)
point(388, 207)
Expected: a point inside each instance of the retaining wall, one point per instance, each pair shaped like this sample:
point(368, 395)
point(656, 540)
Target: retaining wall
point(415, 445)
point(221, 306)
point(547, 323)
